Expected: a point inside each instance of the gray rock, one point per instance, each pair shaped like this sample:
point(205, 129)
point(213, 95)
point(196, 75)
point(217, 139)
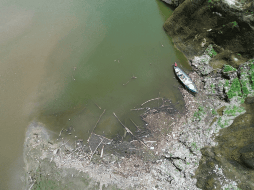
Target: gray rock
point(175, 3)
point(201, 64)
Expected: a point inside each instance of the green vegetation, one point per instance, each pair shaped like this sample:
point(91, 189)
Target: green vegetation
point(212, 88)
point(197, 115)
point(213, 1)
point(231, 187)
point(210, 51)
point(252, 74)
point(221, 124)
point(244, 88)
point(43, 181)
point(213, 53)
point(244, 82)
point(241, 99)
point(226, 83)
point(235, 89)
point(228, 68)
point(214, 112)
point(234, 24)
point(233, 110)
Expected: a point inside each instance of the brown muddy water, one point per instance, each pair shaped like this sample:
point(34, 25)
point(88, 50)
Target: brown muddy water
point(62, 60)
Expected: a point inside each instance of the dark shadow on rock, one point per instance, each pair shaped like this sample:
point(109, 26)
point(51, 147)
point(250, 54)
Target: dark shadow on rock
point(234, 153)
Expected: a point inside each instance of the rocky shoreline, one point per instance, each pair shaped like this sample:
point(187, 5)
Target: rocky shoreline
point(208, 146)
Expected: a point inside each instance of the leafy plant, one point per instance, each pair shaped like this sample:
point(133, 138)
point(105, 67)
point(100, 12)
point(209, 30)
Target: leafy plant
point(214, 112)
point(212, 53)
point(222, 125)
point(228, 68)
point(233, 110)
point(241, 99)
point(197, 115)
point(234, 24)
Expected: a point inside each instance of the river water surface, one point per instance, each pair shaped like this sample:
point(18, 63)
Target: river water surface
point(63, 62)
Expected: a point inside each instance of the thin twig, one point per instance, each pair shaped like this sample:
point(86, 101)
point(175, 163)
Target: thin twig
point(135, 124)
point(129, 131)
point(96, 124)
point(96, 149)
point(149, 101)
point(60, 132)
point(126, 83)
point(64, 143)
point(97, 106)
point(102, 151)
point(32, 185)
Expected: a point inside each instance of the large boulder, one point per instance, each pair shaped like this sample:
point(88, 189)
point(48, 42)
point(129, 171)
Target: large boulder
point(227, 24)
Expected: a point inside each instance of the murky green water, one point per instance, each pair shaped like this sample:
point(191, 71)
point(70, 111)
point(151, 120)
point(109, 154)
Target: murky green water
point(62, 60)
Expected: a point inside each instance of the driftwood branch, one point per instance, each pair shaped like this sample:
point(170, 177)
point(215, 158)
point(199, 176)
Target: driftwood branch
point(129, 131)
point(137, 109)
point(126, 83)
point(150, 101)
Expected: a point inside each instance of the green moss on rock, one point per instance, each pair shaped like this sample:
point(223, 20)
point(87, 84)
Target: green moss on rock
point(235, 89)
point(233, 110)
point(228, 68)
